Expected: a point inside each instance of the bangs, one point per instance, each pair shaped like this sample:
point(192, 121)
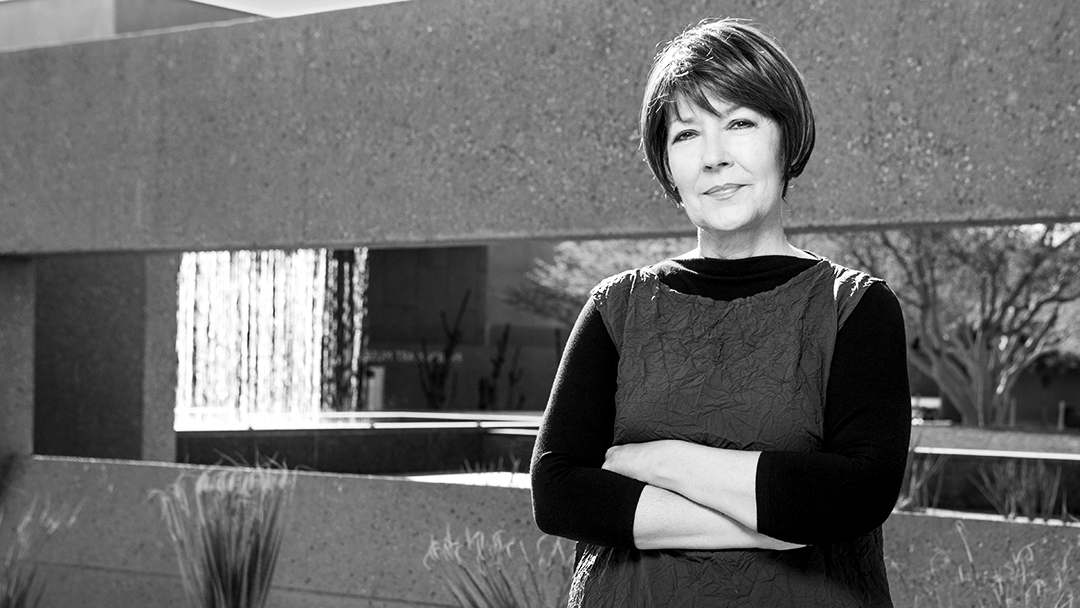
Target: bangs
point(696, 93)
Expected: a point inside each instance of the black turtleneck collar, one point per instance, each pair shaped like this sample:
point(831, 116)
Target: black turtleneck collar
point(721, 279)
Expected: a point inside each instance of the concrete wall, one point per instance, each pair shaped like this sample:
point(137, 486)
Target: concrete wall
point(104, 366)
point(17, 298)
point(458, 121)
point(414, 123)
point(466, 120)
point(105, 357)
point(35, 23)
point(350, 541)
point(88, 376)
point(361, 541)
point(144, 15)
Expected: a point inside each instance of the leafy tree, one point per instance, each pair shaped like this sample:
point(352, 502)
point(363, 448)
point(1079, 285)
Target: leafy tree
point(981, 302)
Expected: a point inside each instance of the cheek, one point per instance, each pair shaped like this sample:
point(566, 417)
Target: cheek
point(766, 163)
point(777, 156)
point(776, 168)
point(680, 166)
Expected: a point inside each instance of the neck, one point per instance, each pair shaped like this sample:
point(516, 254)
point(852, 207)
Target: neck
point(738, 246)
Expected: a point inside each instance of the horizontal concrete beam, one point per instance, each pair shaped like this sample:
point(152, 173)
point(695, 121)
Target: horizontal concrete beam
point(444, 121)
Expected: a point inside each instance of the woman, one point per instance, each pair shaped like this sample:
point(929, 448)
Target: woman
point(729, 427)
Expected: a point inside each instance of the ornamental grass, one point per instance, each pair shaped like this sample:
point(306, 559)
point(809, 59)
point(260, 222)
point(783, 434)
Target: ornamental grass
point(1025, 578)
point(21, 584)
point(227, 527)
point(1024, 488)
point(493, 572)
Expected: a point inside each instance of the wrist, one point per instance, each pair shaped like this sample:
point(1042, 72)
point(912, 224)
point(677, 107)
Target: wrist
point(670, 463)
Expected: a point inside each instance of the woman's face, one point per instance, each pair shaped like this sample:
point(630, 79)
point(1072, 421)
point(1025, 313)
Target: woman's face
point(727, 169)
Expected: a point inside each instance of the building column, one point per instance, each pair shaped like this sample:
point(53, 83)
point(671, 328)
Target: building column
point(159, 358)
point(16, 357)
point(105, 364)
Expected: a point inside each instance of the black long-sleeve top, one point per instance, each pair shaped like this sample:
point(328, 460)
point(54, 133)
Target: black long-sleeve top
point(845, 490)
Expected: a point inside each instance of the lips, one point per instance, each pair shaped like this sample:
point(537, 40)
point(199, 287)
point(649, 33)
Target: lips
point(723, 191)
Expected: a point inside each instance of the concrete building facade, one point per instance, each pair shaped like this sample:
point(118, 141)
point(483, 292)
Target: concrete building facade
point(460, 122)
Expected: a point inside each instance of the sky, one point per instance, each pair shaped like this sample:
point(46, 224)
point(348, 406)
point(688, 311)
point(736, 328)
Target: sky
point(290, 8)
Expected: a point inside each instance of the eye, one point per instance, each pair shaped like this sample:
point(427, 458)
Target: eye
point(741, 123)
point(682, 135)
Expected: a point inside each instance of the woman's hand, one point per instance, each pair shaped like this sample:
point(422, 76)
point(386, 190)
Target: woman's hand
point(638, 461)
point(666, 520)
point(716, 478)
point(698, 497)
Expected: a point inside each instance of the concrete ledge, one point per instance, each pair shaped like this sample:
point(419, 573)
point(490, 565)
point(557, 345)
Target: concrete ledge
point(361, 540)
point(349, 538)
point(448, 121)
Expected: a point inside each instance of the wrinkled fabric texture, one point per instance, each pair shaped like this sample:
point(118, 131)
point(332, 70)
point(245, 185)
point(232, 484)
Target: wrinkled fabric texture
point(749, 374)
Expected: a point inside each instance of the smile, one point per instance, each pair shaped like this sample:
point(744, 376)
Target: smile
point(724, 191)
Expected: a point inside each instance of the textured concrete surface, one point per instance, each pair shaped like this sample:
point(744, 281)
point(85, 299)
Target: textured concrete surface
point(145, 15)
point(349, 538)
point(361, 541)
point(160, 357)
point(89, 360)
point(17, 296)
point(50, 22)
point(464, 120)
point(105, 358)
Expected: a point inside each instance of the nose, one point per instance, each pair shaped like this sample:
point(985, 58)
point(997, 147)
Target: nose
point(715, 154)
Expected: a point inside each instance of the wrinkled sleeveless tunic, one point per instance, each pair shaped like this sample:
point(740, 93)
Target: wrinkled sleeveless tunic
point(749, 374)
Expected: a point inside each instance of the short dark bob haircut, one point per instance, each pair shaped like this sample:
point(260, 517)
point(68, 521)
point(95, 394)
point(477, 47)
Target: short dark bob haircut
point(739, 64)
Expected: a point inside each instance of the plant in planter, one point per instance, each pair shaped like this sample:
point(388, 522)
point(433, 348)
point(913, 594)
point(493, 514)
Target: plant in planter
point(1025, 578)
point(227, 528)
point(491, 572)
point(1025, 488)
point(20, 583)
point(919, 470)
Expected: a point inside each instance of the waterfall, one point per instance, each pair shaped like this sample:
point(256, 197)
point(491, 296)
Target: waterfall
point(269, 337)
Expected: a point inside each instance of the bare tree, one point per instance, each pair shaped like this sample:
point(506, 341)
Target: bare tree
point(558, 290)
point(981, 302)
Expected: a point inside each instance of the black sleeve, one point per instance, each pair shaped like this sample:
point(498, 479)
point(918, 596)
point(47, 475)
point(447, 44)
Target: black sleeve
point(572, 496)
point(850, 487)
